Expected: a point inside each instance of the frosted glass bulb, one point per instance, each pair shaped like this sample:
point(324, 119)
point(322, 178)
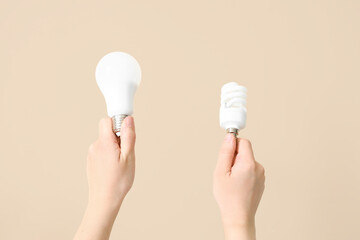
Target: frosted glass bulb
point(232, 109)
point(118, 75)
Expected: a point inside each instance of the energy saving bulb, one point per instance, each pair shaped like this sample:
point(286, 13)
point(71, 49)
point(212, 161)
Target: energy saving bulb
point(118, 75)
point(232, 109)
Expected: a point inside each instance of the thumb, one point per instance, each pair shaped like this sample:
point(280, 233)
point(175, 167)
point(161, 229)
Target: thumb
point(128, 136)
point(226, 154)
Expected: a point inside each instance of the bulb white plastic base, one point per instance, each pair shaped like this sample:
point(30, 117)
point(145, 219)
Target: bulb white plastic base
point(232, 109)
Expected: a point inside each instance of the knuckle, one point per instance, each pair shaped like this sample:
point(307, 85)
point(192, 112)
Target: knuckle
point(250, 167)
point(246, 142)
point(261, 169)
point(103, 122)
point(127, 156)
point(130, 137)
point(225, 153)
point(92, 148)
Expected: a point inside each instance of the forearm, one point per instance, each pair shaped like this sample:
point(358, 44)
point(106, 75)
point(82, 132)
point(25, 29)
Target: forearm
point(97, 222)
point(236, 232)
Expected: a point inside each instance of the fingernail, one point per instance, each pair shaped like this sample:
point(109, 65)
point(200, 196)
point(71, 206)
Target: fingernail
point(228, 137)
point(129, 122)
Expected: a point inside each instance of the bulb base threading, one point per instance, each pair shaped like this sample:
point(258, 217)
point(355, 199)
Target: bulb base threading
point(233, 131)
point(116, 123)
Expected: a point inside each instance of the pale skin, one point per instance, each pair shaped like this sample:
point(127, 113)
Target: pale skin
point(110, 172)
point(238, 183)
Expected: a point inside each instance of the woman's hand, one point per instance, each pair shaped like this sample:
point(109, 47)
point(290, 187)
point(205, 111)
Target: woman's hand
point(238, 187)
point(110, 165)
point(110, 171)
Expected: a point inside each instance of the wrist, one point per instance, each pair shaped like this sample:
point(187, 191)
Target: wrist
point(101, 214)
point(105, 202)
point(240, 231)
point(97, 222)
point(105, 207)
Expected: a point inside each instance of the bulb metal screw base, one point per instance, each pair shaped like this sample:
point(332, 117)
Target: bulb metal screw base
point(116, 123)
point(233, 131)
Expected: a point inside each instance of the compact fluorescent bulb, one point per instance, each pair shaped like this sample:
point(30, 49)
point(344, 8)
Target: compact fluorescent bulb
point(232, 109)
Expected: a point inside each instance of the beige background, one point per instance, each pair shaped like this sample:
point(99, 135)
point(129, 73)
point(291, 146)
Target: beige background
point(299, 59)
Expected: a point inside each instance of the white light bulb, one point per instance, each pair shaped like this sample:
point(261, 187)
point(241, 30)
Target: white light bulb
point(118, 75)
point(232, 109)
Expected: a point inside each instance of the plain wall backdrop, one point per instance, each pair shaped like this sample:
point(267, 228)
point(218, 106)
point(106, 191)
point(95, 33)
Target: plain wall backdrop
point(299, 60)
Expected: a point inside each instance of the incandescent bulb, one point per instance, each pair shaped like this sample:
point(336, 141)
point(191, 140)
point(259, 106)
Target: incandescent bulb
point(232, 109)
point(118, 75)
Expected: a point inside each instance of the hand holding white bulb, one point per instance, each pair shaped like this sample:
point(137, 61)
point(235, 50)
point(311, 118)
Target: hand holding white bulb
point(238, 178)
point(232, 109)
point(118, 75)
